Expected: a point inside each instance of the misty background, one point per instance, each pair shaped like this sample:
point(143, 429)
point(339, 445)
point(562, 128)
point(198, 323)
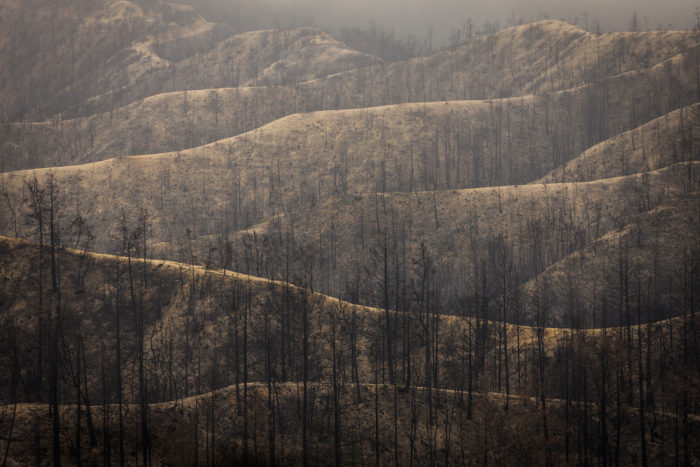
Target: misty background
point(438, 18)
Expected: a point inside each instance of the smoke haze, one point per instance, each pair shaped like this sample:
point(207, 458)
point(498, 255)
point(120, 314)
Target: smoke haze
point(418, 16)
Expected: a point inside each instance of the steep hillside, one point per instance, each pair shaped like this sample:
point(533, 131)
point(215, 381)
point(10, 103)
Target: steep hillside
point(72, 60)
point(301, 159)
point(391, 426)
point(632, 274)
point(269, 248)
point(270, 57)
point(56, 55)
point(201, 202)
point(229, 359)
point(160, 123)
point(175, 300)
point(304, 158)
point(506, 235)
point(603, 95)
point(670, 139)
point(193, 211)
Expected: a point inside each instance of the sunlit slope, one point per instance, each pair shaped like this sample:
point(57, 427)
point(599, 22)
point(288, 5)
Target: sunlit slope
point(297, 161)
point(633, 273)
point(193, 322)
point(303, 158)
point(672, 138)
point(160, 123)
point(469, 233)
point(537, 58)
point(56, 55)
point(237, 182)
point(121, 52)
point(267, 57)
point(481, 234)
point(600, 98)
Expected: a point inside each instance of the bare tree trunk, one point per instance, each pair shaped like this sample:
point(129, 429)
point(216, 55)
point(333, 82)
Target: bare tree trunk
point(387, 315)
point(55, 335)
point(86, 398)
point(246, 311)
point(376, 408)
point(13, 397)
point(118, 364)
point(106, 437)
point(603, 415)
point(78, 413)
point(337, 437)
point(304, 415)
point(640, 377)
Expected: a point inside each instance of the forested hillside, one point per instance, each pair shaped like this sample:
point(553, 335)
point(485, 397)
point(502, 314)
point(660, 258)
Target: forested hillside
point(296, 246)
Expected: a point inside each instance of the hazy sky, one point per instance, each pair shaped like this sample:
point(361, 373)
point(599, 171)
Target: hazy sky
point(415, 16)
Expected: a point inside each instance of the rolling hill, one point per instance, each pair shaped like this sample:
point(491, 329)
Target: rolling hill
point(262, 247)
point(232, 357)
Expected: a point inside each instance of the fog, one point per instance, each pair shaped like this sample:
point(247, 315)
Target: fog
point(417, 17)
